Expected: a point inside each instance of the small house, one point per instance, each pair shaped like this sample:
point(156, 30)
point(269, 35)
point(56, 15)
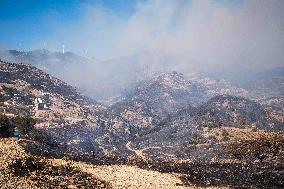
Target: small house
point(42, 102)
point(66, 103)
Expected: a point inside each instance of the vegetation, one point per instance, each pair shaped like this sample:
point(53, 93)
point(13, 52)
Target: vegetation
point(197, 139)
point(6, 128)
point(207, 121)
point(46, 175)
point(24, 124)
point(42, 137)
point(24, 167)
point(11, 91)
point(225, 135)
point(4, 98)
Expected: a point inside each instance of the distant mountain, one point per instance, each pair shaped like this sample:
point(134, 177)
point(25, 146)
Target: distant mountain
point(46, 59)
point(99, 79)
point(106, 80)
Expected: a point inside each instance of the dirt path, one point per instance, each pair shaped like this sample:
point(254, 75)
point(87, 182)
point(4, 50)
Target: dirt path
point(131, 177)
point(140, 152)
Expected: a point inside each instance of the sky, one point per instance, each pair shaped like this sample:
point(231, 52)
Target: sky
point(206, 32)
point(25, 23)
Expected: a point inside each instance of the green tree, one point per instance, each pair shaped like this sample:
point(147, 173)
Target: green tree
point(24, 124)
point(6, 128)
point(11, 91)
point(3, 98)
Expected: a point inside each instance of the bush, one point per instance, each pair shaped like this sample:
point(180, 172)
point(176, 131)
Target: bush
point(207, 121)
point(197, 139)
point(11, 91)
point(6, 128)
point(23, 167)
point(25, 124)
point(225, 135)
point(43, 137)
point(3, 98)
point(26, 100)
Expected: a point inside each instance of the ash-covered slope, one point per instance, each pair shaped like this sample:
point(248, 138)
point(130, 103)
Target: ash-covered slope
point(199, 132)
point(37, 79)
point(68, 116)
point(231, 111)
point(161, 111)
point(165, 115)
point(152, 102)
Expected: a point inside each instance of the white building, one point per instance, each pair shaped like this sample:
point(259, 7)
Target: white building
point(42, 102)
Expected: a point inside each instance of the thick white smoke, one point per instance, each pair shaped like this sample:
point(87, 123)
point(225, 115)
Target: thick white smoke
point(204, 32)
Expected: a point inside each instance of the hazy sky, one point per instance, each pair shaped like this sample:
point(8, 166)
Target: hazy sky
point(25, 24)
point(203, 31)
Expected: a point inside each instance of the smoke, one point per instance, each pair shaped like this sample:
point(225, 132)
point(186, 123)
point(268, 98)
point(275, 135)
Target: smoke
point(206, 33)
point(210, 35)
point(5, 54)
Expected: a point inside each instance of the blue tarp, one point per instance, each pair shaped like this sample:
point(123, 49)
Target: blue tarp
point(17, 133)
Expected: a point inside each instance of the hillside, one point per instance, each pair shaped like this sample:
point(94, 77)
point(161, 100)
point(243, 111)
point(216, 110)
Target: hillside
point(164, 114)
point(167, 127)
point(26, 90)
point(206, 126)
point(20, 169)
point(229, 111)
point(37, 79)
point(154, 101)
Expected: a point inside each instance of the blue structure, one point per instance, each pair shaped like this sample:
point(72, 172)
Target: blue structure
point(17, 133)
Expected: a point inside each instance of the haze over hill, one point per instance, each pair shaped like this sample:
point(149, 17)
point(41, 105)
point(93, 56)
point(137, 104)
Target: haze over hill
point(105, 80)
point(223, 38)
